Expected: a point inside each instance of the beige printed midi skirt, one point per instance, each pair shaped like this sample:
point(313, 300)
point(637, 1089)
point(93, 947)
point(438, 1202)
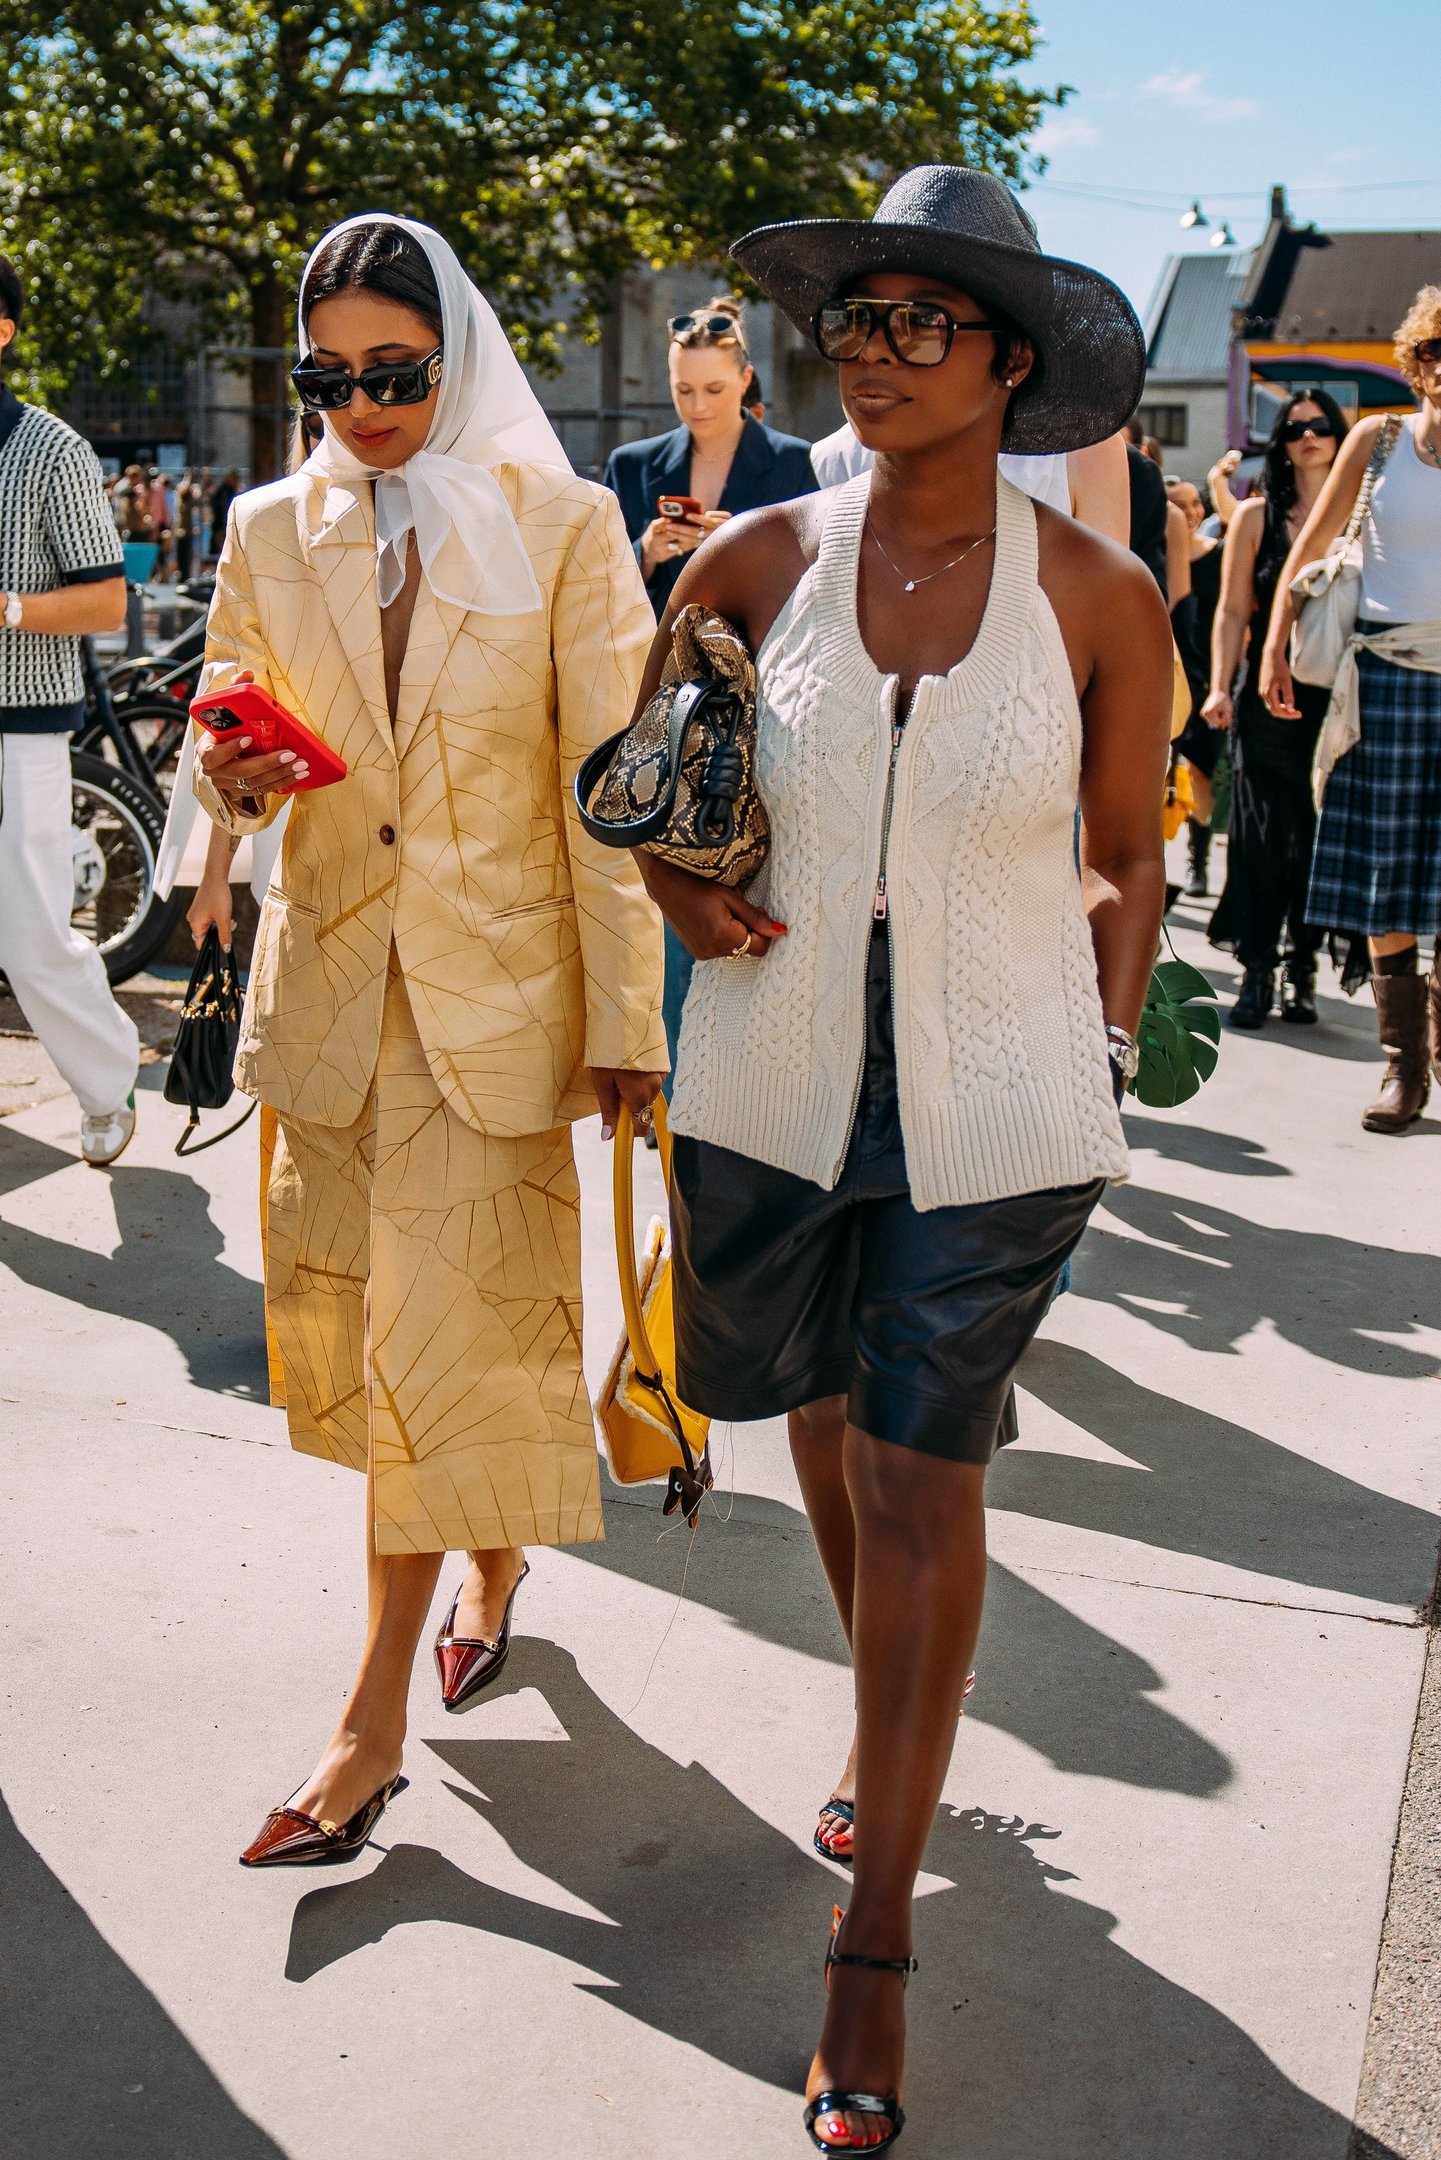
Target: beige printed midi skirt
point(423, 1297)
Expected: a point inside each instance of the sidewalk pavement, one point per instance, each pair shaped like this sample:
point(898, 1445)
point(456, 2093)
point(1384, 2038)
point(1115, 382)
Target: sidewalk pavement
point(593, 1924)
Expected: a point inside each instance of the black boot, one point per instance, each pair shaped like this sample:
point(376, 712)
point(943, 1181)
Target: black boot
point(1258, 995)
point(1198, 845)
point(1298, 991)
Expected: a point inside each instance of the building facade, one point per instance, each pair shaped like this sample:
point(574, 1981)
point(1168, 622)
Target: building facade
point(1188, 354)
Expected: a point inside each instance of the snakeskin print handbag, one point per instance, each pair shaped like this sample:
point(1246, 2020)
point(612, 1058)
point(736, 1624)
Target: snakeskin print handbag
point(680, 780)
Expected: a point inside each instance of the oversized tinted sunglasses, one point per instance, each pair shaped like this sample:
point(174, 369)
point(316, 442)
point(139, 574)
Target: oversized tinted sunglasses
point(1295, 429)
point(918, 331)
point(396, 382)
point(1427, 350)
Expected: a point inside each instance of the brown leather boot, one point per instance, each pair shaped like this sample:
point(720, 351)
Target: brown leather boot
point(1401, 1023)
point(1435, 987)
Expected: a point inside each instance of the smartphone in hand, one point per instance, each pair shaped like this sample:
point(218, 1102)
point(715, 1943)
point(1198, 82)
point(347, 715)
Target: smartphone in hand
point(246, 709)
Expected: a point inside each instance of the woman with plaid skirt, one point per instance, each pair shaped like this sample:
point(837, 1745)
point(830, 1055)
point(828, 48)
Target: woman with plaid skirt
point(1377, 865)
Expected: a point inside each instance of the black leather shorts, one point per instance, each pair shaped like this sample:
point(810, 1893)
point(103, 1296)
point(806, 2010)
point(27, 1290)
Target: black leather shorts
point(786, 1293)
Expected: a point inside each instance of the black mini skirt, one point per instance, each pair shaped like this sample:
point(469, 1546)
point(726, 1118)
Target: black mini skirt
point(786, 1293)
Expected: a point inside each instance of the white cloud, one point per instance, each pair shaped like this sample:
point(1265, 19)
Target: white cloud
point(1065, 131)
point(1188, 93)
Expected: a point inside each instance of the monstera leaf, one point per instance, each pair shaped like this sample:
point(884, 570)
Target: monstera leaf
point(1178, 1037)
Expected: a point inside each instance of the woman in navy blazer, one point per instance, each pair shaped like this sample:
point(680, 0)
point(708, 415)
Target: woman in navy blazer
point(726, 459)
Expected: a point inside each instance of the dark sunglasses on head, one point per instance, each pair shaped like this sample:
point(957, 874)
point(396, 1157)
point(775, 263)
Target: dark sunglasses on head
point(718, 326)
point(1427, 350)
point(1295, 429)
point(919, 332)
point(396, 382)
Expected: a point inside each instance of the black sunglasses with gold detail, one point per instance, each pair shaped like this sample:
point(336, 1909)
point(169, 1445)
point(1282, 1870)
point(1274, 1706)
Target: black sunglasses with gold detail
point(1428, 351)
point(394, 382)
point(919, 332)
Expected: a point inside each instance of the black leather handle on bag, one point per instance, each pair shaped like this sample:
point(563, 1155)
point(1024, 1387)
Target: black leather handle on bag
point(691, 702)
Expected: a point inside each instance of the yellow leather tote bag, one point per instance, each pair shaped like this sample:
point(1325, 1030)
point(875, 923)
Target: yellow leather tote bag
point(648, 1431)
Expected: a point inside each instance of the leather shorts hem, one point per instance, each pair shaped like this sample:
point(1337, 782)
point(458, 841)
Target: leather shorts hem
point(744, 1406)
point(929, 1426)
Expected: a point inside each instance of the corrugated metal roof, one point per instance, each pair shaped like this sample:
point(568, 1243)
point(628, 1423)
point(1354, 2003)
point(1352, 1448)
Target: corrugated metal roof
point(1359, 285)
point(1189, 333)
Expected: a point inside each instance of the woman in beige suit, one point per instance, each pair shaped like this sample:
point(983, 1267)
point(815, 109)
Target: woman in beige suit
point(447, 971)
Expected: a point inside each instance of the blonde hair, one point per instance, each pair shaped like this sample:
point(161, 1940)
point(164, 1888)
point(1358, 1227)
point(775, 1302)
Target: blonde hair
point(700, 334)
point(1423, 320)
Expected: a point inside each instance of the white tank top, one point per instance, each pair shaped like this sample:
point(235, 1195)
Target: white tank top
point(1401, 558)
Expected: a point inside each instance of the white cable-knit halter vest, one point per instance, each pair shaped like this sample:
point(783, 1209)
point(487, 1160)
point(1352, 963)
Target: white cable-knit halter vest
point(1004, 1081)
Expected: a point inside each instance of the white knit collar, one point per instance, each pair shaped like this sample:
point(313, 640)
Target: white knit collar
point(989, 665)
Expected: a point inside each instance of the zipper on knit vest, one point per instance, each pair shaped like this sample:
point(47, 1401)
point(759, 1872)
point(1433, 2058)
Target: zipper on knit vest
point(880, 912)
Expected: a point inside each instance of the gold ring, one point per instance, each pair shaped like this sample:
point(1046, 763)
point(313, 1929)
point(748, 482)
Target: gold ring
point(738, 951)
point(643, 1119)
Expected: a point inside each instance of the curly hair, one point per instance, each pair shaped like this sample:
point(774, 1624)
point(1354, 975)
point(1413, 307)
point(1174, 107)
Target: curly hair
point(1423, 320)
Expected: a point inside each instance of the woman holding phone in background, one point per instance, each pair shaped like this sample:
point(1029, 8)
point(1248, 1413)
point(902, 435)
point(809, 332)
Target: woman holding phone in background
point(447, 971)
point(719, 461)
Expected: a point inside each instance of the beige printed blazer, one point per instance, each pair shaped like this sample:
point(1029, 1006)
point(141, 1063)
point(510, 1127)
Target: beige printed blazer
point(529, 953)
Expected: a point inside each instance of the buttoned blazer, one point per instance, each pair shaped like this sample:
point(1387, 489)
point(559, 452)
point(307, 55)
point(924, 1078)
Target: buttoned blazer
point(768, 468)
point(529, 952)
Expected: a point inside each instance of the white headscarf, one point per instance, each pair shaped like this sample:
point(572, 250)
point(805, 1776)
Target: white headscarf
point(485, 414)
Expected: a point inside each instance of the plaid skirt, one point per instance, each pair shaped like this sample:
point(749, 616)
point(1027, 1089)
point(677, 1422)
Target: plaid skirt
point(1377, 865)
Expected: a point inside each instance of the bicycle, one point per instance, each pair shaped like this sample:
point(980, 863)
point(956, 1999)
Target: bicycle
point(117, 818)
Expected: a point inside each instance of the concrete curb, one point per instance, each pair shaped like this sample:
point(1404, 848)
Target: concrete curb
point(1398, 2108)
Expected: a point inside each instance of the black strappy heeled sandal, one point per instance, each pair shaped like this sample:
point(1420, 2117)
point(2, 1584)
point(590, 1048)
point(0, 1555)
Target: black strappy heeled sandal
point(833, 2101)
point(845, 1810)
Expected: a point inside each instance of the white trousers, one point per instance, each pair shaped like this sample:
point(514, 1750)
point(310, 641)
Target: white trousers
point(57, 975)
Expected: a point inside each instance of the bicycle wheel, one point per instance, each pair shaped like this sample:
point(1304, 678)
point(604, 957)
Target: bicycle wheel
point(157, 728)
point(115, 828)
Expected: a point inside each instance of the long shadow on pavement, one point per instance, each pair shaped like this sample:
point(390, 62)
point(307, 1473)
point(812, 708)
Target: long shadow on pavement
point(166, 1273)
point(94, 2069)
point(1229, 1154)
point(1214, 1488)
point(1046, 1677)
point(1221, 1275)
point(1031, 2030)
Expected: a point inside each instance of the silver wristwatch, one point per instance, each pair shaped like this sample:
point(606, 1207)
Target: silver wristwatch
point(14, 610)
point(1123, 1051)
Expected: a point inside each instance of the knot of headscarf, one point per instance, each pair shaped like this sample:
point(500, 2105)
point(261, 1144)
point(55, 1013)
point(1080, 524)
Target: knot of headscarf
point(447, 495)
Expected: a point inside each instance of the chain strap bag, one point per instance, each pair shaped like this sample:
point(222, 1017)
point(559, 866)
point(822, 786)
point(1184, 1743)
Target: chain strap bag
point(1327, 594)
point(648, 1431)
point(680, 780)
point(202, 1064)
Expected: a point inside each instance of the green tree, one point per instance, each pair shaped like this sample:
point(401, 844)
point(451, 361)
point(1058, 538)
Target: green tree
point(195, 148)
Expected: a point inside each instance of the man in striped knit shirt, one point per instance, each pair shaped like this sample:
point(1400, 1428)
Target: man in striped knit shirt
point(61, 577)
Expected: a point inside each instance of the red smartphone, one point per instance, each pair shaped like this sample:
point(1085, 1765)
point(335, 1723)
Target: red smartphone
point(680, 506)
point(246, 708)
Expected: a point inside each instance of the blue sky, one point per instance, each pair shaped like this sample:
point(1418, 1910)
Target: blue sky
point(1218, 99)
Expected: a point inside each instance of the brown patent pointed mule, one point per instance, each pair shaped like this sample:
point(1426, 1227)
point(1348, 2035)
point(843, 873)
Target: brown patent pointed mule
point(466, 1664)
point(290, 1838)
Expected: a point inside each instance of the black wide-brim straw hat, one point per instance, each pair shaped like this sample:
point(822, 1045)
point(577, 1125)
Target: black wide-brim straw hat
point(967, 229)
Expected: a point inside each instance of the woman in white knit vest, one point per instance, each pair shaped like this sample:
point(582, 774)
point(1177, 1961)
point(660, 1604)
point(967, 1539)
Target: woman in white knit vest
point(900, 1062)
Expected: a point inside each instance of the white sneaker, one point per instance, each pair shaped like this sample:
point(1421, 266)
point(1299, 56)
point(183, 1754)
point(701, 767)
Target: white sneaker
point(106, 1136)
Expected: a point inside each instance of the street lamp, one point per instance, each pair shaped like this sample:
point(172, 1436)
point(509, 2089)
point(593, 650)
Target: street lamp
point(1193, 218)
